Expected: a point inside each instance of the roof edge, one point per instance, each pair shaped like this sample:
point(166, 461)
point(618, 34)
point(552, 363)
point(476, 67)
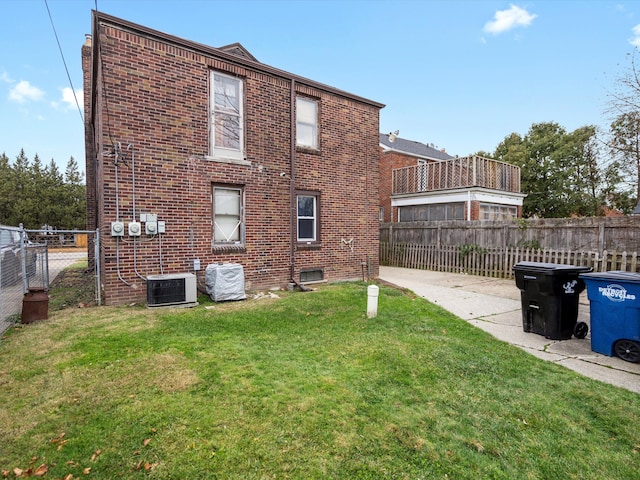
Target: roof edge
point(100, 17)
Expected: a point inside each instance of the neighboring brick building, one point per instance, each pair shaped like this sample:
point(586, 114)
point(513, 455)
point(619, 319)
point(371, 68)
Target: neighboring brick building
point(396, 154)
point(238, 161)
point(421, 183)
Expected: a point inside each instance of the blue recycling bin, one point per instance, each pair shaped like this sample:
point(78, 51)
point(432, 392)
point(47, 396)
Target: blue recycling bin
point(549, 294)
point(614, 299)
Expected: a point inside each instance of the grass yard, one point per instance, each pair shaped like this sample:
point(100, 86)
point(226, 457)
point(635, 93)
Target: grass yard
point(303, 387)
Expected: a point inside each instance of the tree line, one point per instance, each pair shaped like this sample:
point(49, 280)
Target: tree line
point(585, 172)
point(567, 174)
point(37, 195)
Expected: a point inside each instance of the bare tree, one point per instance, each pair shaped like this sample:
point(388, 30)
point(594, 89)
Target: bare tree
point(624, 109)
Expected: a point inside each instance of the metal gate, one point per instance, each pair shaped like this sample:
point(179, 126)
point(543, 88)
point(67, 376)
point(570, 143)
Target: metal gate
point(43, 259)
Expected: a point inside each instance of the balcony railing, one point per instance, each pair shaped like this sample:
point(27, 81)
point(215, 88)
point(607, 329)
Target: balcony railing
point(462, 172)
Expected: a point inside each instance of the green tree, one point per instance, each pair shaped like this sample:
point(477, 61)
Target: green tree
point(625, 147)
point(6, 187)
point(75, 197)
point(54, 195)
point(563, 173)
point(34, 196)
point(537, 156)
point(22, 192)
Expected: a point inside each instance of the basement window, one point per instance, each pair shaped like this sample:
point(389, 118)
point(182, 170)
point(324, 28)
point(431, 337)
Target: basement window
point(312, 275)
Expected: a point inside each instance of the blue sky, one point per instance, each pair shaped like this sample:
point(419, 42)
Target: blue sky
point(459, 74)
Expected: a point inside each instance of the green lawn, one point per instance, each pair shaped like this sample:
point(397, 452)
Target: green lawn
point(304, 387)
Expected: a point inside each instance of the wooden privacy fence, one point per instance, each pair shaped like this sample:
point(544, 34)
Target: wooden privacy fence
point(497, 261)
point(577, 234)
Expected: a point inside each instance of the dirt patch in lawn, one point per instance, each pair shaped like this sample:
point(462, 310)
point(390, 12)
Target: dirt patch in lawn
point(73, 288)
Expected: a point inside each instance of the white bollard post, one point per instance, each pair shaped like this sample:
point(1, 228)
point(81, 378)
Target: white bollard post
point(372, 301)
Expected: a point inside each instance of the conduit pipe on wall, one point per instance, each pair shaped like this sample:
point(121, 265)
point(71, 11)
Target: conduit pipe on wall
point(133, 211)
point(117, 159)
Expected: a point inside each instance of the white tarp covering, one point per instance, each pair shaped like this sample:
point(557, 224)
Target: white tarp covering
point(225, 281)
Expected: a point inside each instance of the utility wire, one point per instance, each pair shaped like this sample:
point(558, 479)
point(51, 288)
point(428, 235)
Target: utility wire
point(64, 61)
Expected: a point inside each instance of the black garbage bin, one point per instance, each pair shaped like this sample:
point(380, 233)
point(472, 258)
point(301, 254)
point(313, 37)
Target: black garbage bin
point(549, 294)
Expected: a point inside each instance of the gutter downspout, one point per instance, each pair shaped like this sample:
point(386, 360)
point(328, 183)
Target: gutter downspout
point(292, 190)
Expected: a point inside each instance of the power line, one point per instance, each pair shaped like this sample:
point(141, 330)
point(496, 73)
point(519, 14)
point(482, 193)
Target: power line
point(73, 90)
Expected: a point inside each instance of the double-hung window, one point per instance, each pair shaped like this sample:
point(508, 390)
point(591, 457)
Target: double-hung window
point(226, 124)
point(306, 123)
point(308, 217)
point(228, 215)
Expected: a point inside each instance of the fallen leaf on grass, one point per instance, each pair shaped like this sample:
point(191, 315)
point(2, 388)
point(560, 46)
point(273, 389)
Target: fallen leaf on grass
point(17, 471)
point(146, 441)
point(146, 466)
point(87, 471)
point(58, 438)
point(68, 477)
point(41, 470)
point(95, 455)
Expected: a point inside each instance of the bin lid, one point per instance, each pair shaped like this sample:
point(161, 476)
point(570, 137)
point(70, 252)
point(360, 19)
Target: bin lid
point(617, 275)
point(549, 268)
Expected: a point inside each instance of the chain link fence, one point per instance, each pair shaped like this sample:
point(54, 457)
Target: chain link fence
point(54, 261)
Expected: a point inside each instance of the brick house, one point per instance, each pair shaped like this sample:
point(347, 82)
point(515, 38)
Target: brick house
point(421, 183)
point(202, 155)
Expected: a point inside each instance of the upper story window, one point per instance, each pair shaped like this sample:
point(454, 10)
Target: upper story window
point(306, 123)
point(227, 102)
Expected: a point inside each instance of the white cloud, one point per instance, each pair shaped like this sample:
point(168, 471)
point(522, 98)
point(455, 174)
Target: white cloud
point(4, 77)
point(68, 101)
point(24, 91)
point(635, 40)
point(505, 20)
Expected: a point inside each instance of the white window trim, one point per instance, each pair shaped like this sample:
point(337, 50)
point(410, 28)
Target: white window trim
point(314, 218)
point(224, 154)
point(488, 209)
point(314, 125)
point(241, 221)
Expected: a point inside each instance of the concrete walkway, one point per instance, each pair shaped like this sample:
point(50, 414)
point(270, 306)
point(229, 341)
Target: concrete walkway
point(494, 305)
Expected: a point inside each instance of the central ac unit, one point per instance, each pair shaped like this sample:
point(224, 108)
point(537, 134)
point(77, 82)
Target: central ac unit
point(172, 289)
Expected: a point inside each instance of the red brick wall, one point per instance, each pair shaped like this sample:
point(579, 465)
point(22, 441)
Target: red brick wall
point(475, 210)
point(155, 98)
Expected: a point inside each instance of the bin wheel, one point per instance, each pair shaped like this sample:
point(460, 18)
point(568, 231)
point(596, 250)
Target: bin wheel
point(580, 330)
point(627, 350)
